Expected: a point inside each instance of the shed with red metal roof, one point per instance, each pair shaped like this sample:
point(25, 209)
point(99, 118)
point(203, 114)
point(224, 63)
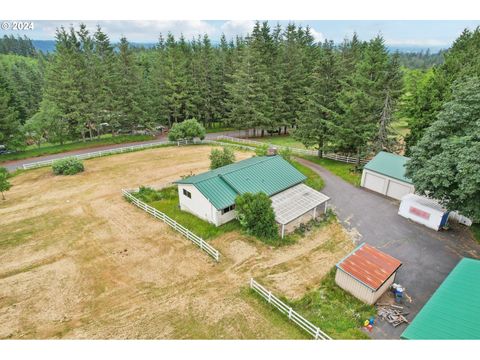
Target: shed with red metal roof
point(366, 273)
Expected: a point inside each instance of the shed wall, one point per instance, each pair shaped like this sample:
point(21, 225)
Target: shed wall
point(359, 290)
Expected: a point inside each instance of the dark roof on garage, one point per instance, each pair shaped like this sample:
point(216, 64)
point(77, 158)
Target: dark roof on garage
point(369, 265)
point(388, 164)
point(453, 311)
point(267, 174)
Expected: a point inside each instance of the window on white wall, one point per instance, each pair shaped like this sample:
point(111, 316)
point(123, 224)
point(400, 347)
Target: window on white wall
point(187, 193)
point(227, 209)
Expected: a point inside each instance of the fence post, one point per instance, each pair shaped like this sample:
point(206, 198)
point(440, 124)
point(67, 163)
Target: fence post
point(317, 333)
point(290, 313)
point(269, 296)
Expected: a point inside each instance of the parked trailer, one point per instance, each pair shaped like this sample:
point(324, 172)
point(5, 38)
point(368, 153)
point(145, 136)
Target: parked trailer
point(424, 211)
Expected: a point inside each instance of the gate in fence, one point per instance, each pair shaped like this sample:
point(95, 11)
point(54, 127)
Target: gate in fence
point(197, 240)
point(292, 314)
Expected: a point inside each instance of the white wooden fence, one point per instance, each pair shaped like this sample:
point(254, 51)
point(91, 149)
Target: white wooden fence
point(292, 314)
point(100, 153)
point(197, 240)
point(332, 156)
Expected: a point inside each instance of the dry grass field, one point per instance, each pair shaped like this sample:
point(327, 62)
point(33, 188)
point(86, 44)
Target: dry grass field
point(78, 261)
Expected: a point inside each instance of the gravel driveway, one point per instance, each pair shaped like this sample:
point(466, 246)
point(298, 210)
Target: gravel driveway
point(427, 256)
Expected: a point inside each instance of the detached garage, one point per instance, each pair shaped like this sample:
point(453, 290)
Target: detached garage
point(385, 174)
point(367, 273)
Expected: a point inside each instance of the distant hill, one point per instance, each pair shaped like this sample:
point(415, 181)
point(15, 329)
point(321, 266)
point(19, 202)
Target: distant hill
point(47, 46)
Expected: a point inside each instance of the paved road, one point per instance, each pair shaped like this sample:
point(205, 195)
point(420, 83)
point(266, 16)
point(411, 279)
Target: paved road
point(12, 165)
point(427, 256)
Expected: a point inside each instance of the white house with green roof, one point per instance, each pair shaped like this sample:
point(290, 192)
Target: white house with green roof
point(385, 174)
point(211, 195)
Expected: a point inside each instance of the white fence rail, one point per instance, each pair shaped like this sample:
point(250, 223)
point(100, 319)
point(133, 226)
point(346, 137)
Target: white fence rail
point(197, 240)
point(332, 156)
point(100, 153)
point(292, 314)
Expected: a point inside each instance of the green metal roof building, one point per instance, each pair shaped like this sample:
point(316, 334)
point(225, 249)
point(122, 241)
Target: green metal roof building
point(268, 174)
point(211, 195)
point(453, 311)
point(385, 174)
point(389, 164)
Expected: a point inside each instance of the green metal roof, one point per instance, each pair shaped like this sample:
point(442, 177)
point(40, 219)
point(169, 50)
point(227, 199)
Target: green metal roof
point(453, 311)
point(389, 164)
point(268, 174)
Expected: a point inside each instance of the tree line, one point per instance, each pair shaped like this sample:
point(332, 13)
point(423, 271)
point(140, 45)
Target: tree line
point(336, 96)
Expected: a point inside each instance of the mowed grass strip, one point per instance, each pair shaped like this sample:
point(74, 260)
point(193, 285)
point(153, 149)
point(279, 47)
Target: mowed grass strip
point(56, 149)
point(314, 180)
point(343, 170)
point(166, 200)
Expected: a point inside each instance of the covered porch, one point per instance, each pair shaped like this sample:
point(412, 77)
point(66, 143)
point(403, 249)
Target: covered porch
point(297, 205)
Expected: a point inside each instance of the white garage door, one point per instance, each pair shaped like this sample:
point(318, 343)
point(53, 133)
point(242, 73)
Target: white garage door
point(374, 182)
point(397, 190)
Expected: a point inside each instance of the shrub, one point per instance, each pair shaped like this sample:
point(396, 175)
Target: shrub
point(219, 158)
point(261, 150)
point(186, 130)
point(256, 216)
point(4, 183)
point(147, 194)
point(69, 166)
point(286, 154)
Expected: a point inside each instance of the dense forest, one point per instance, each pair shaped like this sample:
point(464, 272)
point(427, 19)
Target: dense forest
point(343, 97)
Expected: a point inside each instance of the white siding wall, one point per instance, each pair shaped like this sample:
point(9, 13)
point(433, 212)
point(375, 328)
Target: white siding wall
point(222, 219)
point(386, 186)
point(198, 204)
point(359, 290)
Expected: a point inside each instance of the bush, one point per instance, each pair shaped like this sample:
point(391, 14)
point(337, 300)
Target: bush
point(262, 150)
point(4, 183)
point(186, 130)
point(286, 154)
point(69, 166)
point(256, 216)
point(219, 158)
point(147, 194)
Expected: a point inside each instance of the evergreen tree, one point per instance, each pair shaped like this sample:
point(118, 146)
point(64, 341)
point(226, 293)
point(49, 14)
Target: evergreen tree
point(10, 129)
point(317, 122)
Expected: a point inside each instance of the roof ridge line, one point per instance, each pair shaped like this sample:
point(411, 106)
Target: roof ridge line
point(259, 162)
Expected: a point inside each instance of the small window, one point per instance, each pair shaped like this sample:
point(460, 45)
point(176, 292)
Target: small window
point(227, 209)
point(187, 193)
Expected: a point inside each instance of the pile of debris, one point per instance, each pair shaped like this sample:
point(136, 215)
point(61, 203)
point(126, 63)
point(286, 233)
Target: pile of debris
point(393, 314)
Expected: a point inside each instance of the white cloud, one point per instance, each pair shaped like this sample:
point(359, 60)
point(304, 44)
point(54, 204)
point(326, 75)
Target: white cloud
point(233, 28)
point(318, 36)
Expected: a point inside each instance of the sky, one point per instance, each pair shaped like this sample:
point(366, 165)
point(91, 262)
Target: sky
point(434, 34)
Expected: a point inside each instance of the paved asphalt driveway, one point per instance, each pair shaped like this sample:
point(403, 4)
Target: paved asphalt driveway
point(428, 256)
point(12, 165)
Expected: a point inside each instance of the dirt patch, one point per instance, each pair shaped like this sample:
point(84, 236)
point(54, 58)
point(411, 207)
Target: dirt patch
point(78, 261)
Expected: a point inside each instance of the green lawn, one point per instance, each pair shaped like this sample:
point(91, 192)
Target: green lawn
point(335, 311)
point(55, 149)
point(313, 179)
point(400, 126)
point(216, 129)
point(166, 201)
point(283, 140)
point(476, 231)
point(343, 170)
